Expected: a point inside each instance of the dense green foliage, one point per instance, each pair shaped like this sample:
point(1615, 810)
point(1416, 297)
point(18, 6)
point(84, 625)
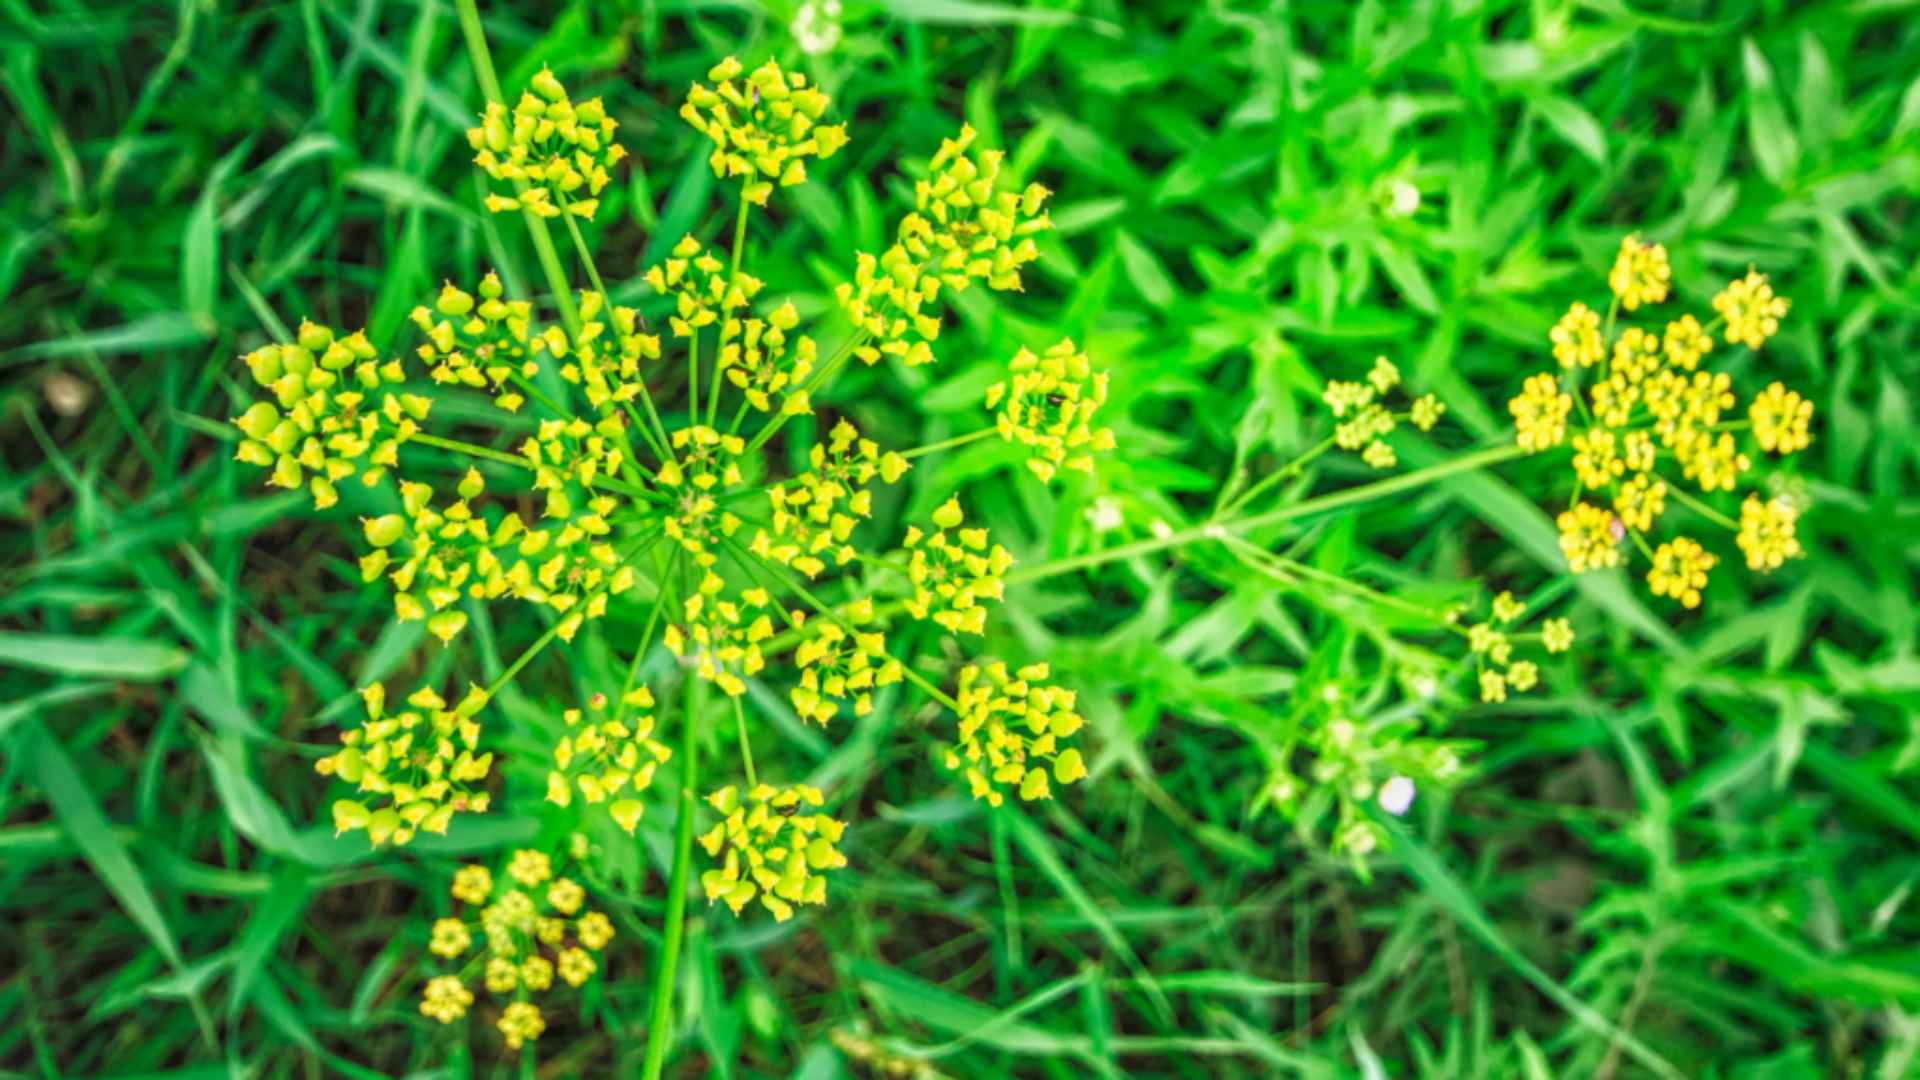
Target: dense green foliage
point(1693, 856)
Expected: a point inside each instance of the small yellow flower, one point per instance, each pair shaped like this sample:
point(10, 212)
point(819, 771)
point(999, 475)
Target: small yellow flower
point(1426, 411)
point(1493, 686)
point(842, 659)
point(595, 930)
point(1576, 337)
point(1384, 375)
point(1523, 675)
point(450, 938)
point(565, 896)
point(1590, 538)
point(576, 966)
point(1640, 273)
point(1596, 458)
point(1010, 724)
point(771, 845)
point(1540, 414)
point(561, 151)
point(1686, 343)
point(607, 760)
point(1767, 532)
point(536, 973)
point(1049, 402)
point(764, 128)
point(1680, 569)
point(723, 636)
point(529, 867)
point(1752, 311)
point(1556, 635)
point(1780, 419)
point(445, 999)
point(420, 761)
point(1640, 500)
point(472, 884)
point(502, 975)
point(1506, 608)
point(953, 570)
point(521, 1022)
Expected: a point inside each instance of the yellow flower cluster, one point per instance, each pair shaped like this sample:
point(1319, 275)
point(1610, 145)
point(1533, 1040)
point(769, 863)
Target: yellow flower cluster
point(842, 657)
point(480, 344)
point(1492, 642)
point(764, 128)
point(952, 570)
point(1010, 724)
point(534, 928)
point(602, 756)
point(703, 290)
point(772, 843)
point(455, 552)
point(963, 230)
point(814, 514)
point(1365, 422)
point(723, 636)
point(1650, 400)
point(606, 371)
point(1049, 402)
point(756, 360)
point(333, 413)
point(549, 148)
point(423, 762)
point(707, 464)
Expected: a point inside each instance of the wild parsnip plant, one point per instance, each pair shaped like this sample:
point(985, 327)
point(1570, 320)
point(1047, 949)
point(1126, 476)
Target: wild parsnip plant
point(635, 486)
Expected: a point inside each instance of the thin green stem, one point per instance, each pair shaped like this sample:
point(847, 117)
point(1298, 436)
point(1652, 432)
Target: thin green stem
point(646, 639)
point(1279, 566)
point(1290, 469)
point(733, 279)
point(693, 376)
point(1217, 529)
point(659, 1029)
point(746, 748)
point(949, 444)
point(1701, 508)
point(820, 380)
point(476, 36)
point(658, 446)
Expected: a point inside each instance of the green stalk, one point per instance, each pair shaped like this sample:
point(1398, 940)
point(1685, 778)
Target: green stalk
point(949, 444)
point(476, 36)
point(659, 1032)
point(733, 278)
point(606, 302)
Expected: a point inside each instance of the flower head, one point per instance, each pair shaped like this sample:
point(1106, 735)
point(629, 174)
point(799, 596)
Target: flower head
point(763, 127)
point(1576, 337)
point(953, 570)
point(445, 999)
point(1589, 537)
point(1540, 413)
point(1780, 419)
point(1752, 311)
point(557, 154)
point(772, 844)
point(1047, 405)
point(1011, 724)
point(422, 763)
point(607, 759)
point(1767, 534)
point(1679, 570)
point(1640, 273)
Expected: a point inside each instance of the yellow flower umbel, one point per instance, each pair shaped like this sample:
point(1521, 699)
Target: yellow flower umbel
point(1365, 422)
point(334, 412)
point(423, 762)
point(772, 844)
point(843, 658)
point(763, 128)
point(532, 927)
point(953, 570)
point(479, 344)
point(1649, 402)
point(1049, 402)
point(1492, 643)
point(602, 756)
point(557, 154)
point(1640, 273)
point(1011, 725)
point(722, 636)
point(962, 230)
point(814, 514)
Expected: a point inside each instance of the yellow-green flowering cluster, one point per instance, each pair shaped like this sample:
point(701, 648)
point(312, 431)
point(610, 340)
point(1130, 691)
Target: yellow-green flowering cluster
point(771, 843)
point(1365, 421)
point(527, 928)
point(422, 765)
point(479, 344)
point(842, 659)
point(953, 570)
point(1648, 403)
point(1493, 640)
point(1046, 404)
point(556, 153)
point(334, 414)
point(721, 636)
point(605, 363)
point(814, 515)
point(608, 759)
point(963, 230)
point(764, 127)
point(1352, 757)
point(763, 363)
point(1012, 726)
point(434, 557)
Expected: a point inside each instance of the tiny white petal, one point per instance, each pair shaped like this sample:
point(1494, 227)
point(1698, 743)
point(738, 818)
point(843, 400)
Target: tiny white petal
point(1396, 795)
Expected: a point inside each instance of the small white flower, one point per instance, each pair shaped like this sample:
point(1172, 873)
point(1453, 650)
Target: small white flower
point(816, 26)
point(1396, 795)
point(1104, 515)
point(1162, 530)
point(1403, 199)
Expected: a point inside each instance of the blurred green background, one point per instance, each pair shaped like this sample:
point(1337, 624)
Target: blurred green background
point(1694, 855)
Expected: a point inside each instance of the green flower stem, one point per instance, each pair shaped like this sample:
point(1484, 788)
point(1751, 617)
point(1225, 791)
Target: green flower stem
point(646, 640)
point(1702, 508)
point(733, 278)
point(746, 748)
point(659, 1033)
point(1218, 529)
point(501, 456)
point(476, 36)
point(693, 375)
point(832, 367)
point(1279, 566)
point(606, 302)
point(949, 444)
point(1285, 472)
